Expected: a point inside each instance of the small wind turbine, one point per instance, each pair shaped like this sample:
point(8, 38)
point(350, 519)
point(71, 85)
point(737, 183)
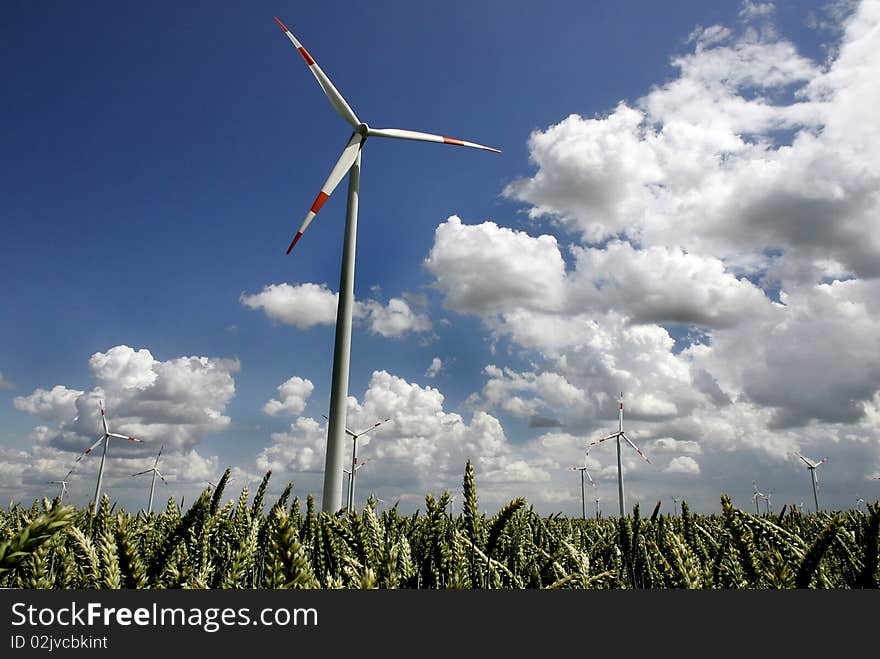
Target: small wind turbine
point(583, 471)
point(597, 506)
point(767, 501)
point(811, 465)
point(349, 163)
point(349, 504)
point(64, 483)
point(617, 435)
point(452, 505)
point(757, 495)
point(155, 471)
point(675, 505)
point(354, 442)
point(859, 502)
point(106, 439)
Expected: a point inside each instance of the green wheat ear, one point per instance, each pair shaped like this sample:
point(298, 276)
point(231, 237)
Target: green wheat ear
point(19, 547)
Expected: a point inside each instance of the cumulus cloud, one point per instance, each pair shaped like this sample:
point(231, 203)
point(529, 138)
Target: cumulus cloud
point(307, 305)
point(175, 403)
point(302, 305)
point(422, 448)
point(393, 320)
point(292, 397)
point(714, 255)
point(57, 404)
point(435, 368)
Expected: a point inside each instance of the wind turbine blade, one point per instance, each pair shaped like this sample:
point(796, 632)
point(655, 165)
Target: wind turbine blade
point(161, 448)
point(159, 474)
point(126, 437)
point(638, 450)
point(336, 99)
point(375, 425)
point(611, 436)
point(91, 448)
point(401, 134)
point(586, 471)
point(142, 472)
point(103, 417)
point(808, 463)
point(347, 431)
point(346, 160)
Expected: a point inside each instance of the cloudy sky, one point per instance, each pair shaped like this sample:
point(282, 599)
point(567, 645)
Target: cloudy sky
point(686, 209)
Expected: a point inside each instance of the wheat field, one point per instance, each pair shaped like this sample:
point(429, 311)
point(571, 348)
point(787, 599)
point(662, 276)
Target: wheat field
point(239, 546)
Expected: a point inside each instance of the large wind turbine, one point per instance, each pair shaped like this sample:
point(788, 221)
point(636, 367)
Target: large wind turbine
point(106, 439)
point(811, 465)
point(617, 435)
point(354, 449)
point(64, 483)
point(155, 470)
point(583, 469)
point(349, 162)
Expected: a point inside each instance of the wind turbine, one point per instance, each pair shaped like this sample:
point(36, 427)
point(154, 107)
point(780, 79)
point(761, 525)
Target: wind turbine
point(675, 505)
point(757, 495)
point(106, 439)
point(859, 502)
point(64, 483)
point(353, 473)
point(156, 472)
point(597, 506)
point(617, 435)
point(349, 162)
point(349, 504)
point(812, 467)
point(583, 471)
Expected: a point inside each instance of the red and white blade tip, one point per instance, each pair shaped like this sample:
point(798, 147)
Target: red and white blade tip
point(280, 24)
point(294, 241)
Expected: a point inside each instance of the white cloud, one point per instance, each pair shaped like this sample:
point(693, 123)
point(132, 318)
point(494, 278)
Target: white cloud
point(174, 403)
point(55, 405)
point(435, 368)
point(683, 464)
point(307, 305)
point(292, 397)
point(502, 268)
point(302, 305)
point(394, 319)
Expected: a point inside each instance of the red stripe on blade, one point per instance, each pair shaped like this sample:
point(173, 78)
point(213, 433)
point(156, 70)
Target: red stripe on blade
point(295, 241)
point(306, 56)
point(452, 140)
point(282, 25)
point(319, 201)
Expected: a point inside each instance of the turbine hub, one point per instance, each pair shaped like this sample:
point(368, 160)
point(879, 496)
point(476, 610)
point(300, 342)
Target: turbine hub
point(363, 129)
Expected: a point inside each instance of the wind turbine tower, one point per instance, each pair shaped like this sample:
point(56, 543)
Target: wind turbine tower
point(349, 163)
point(811, 466)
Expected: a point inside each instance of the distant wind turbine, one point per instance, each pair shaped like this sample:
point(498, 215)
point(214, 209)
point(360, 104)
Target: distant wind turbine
point(64, 483)
point(155, 471)
point(811, 466)
point(675, 505)
point(349, 163)
point(349, 503)
point(354, 439)
point(106, 439)
point(583, 469)
point(617, 435)
point(757, 495)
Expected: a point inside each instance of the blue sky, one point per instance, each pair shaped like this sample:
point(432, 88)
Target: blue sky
point(665, 174)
